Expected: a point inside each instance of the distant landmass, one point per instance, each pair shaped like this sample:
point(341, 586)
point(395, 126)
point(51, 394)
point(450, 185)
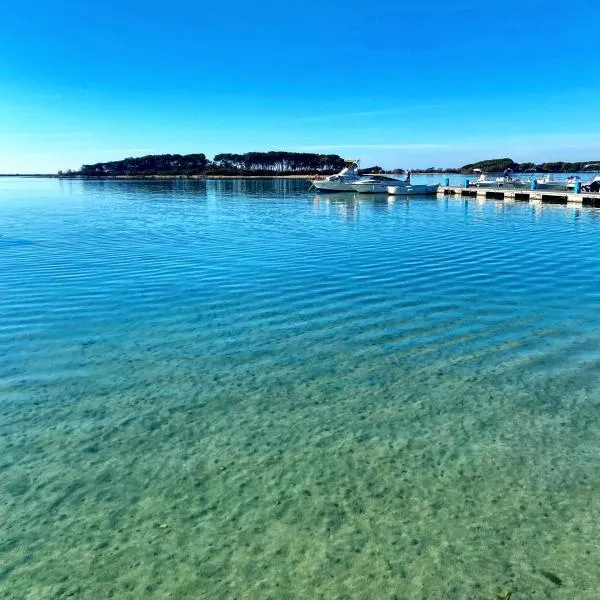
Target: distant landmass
point(251, 163)
point(279, 163)
point(498, 165)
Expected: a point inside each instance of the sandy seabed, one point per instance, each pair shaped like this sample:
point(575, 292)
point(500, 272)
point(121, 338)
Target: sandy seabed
point(378, 481)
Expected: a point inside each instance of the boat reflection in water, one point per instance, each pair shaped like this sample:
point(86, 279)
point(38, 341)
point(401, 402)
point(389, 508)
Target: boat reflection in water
point(343, 204)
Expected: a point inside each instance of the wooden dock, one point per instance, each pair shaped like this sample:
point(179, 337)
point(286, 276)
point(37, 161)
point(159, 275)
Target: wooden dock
point(522, 195)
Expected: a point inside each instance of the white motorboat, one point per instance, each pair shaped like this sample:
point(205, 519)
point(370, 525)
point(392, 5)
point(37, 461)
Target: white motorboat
point(417, 189)
point(547, 182)
point(378, 183)
point(483, 182)
point(342, 181)
point(506, 180)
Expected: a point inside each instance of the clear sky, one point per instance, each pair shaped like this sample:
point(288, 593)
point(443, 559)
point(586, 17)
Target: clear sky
point(400, 84)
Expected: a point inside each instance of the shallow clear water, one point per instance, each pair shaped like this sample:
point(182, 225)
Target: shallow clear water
point(237, 389)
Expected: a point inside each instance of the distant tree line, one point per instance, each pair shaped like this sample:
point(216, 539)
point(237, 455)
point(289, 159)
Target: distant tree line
point(162, 164)
point(497, 165)
point(250, 163)
point(277, 162)
point(435, 170)
point(283, 163)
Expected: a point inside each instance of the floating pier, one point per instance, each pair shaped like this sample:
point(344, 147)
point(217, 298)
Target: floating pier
point(522, 195)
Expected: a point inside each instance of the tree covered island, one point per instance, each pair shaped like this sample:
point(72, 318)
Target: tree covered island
point(280, 163)
point(228, 164)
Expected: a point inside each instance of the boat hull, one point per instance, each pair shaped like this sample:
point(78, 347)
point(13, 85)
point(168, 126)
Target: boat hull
point(325, 186)
point(487, 184)
point(509, 184)
point(413, 190)
point(371, 188)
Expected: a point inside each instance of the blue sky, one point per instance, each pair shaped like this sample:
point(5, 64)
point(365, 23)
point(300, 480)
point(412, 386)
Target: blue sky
point(411, 84)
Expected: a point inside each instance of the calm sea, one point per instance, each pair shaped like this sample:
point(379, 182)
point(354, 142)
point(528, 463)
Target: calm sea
point(238, 389)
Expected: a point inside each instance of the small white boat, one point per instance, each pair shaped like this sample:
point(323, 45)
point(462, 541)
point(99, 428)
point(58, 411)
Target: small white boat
point(483, 182)
point(497, 182)
point(571, 181)
point(377, 183)
point(549, 183)
point(342, 181)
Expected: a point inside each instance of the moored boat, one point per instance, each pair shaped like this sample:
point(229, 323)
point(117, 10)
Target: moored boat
point(548, 182)
point(506, 180)
point(483, 182)
point(592, 185)
point(342, 181)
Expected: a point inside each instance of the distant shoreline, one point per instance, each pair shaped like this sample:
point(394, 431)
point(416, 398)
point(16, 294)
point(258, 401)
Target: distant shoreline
point(184, 177)
point(154, 177)
point(233, 177)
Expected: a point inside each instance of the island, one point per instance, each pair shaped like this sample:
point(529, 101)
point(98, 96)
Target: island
point(280, 164)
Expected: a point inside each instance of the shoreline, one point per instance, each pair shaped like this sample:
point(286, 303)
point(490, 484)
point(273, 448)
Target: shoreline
point(197, 177)
point(159, 177)
point(216, 177)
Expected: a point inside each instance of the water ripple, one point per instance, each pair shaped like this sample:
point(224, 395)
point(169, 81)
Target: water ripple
point(225, 268)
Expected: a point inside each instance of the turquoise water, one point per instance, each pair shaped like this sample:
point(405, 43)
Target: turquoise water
point(238, 389)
